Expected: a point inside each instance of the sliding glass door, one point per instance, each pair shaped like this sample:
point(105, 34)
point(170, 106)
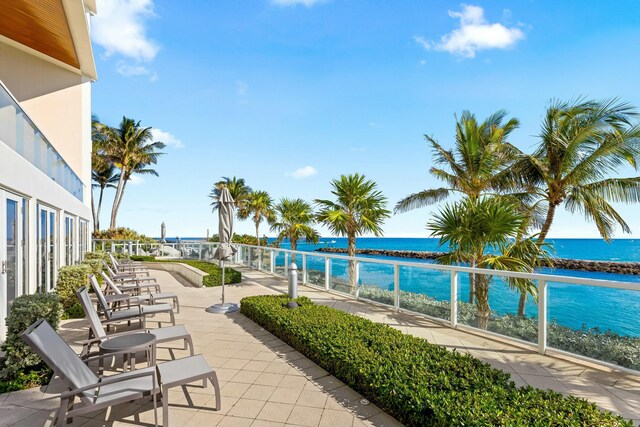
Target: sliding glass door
point(47, 248)
point(12, 252)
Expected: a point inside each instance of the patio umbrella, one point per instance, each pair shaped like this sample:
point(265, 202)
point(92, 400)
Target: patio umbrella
point(225, 251)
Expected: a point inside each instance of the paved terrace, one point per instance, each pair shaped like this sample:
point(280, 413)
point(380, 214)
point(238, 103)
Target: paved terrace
point(267, 383)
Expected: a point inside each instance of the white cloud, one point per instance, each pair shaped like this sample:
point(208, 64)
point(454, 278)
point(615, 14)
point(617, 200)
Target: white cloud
point(136, 180)
point(307, 3)
point(120, 28)
point(166, 137)
point(474, 34)
point(304, 172)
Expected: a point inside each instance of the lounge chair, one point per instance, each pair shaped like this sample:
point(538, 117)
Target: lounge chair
point(144, 283)
point(127, 267)
point(97, 334)
point(118, 294)
point(98, 393)
point(132, 312)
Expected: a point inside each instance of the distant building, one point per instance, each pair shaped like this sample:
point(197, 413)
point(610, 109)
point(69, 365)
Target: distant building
point(46, 70)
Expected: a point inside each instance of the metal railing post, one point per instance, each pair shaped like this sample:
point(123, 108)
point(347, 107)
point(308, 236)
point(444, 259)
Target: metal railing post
point(137, 247)
point(542, 316)
point(305, 277)
point(286, 261)
point(272, 262)
point(260, 253)
point(356, 272)
point(454, 299)
point(396, 287)
point(327, 273)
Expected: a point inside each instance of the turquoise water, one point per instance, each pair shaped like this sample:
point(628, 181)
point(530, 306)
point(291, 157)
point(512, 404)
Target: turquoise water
point(570, 305)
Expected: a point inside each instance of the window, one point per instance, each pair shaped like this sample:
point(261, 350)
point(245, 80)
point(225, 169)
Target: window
point(83, 238)
point(69, 240)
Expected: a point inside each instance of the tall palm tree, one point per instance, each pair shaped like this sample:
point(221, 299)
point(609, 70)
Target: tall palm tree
point(295, 219)
point(478, 232)
point(581, 144)
point(478, 163)
point(103, 176)
point(258, 206)
point(237, 187)
point(359, 208)
point(132, 149)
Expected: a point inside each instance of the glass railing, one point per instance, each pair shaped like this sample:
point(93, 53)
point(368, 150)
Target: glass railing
point(21, 135)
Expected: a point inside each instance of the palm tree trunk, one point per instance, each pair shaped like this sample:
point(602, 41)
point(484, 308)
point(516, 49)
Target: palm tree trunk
point(482, 300)
point(257, 233)
point(93, 212)
point(114, 208)
point(97, 222)
point(351, 251)
point(521, 303)
point(294, 246)
point(547, 223)
point(114, 214)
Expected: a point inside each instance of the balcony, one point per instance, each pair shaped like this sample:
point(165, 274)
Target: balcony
point(19, 132)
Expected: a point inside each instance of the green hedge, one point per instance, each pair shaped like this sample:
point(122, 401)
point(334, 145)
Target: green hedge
point(420, 384)
point(21, 368)
point(214, 278)
point(144, 258)
point(70, 279)
point(99, 255)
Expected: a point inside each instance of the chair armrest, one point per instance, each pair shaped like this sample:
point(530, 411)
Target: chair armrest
point(106, 381)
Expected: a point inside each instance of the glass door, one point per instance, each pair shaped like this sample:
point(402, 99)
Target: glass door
point(47, 252)
point(11, 252)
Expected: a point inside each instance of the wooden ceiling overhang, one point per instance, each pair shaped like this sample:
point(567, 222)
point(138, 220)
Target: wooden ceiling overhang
point(54, 28)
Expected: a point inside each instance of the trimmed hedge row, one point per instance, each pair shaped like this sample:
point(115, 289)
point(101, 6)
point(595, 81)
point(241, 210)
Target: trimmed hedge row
point(420, 384)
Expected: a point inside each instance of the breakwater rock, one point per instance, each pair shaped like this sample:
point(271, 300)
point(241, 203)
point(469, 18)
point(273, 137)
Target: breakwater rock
point(563, 263)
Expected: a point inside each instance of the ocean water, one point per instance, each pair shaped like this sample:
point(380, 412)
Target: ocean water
point(574, 306)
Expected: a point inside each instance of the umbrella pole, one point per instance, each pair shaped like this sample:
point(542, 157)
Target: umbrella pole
point(222, 262)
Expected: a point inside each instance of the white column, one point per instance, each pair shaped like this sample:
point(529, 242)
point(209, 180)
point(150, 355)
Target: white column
point(396, 287)
point(454, 299)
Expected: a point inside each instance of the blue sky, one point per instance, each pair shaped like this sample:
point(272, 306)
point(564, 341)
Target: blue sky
point(290, 94)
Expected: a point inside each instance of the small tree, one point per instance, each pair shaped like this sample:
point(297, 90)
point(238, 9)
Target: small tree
point(359, 208)
point(295, 219)
point(478, 233)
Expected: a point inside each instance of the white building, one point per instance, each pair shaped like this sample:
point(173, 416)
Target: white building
point(46, 69)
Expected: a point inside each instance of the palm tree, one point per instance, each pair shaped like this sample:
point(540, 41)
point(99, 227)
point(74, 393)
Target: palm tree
point(359, 208)
point(581, 144)
point(478, 164)
point(103, 176)
point(478, 232)
point(295, 221)
point(258, 206)
point(131, 148)
point(237, 187)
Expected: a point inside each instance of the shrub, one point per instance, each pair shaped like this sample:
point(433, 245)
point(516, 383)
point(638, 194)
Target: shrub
point(420, 384)
point(143, 258)
point(20, 367)
point(215, 273)
point(70, 279)
point(74, 312)
point(122, 233)
point(94, 264)
point(95, 255)
point(245, 239)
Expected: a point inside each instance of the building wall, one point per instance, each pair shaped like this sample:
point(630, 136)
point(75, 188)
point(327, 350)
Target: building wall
point(58, 101)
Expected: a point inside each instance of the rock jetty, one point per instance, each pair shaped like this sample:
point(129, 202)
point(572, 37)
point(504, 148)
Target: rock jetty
point(562, 263)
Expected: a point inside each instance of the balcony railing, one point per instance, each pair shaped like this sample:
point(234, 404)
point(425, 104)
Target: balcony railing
point(440, 292)
point(21, 135)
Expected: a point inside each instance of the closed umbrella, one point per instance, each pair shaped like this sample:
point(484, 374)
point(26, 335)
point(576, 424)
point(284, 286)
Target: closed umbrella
point(225, 251)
